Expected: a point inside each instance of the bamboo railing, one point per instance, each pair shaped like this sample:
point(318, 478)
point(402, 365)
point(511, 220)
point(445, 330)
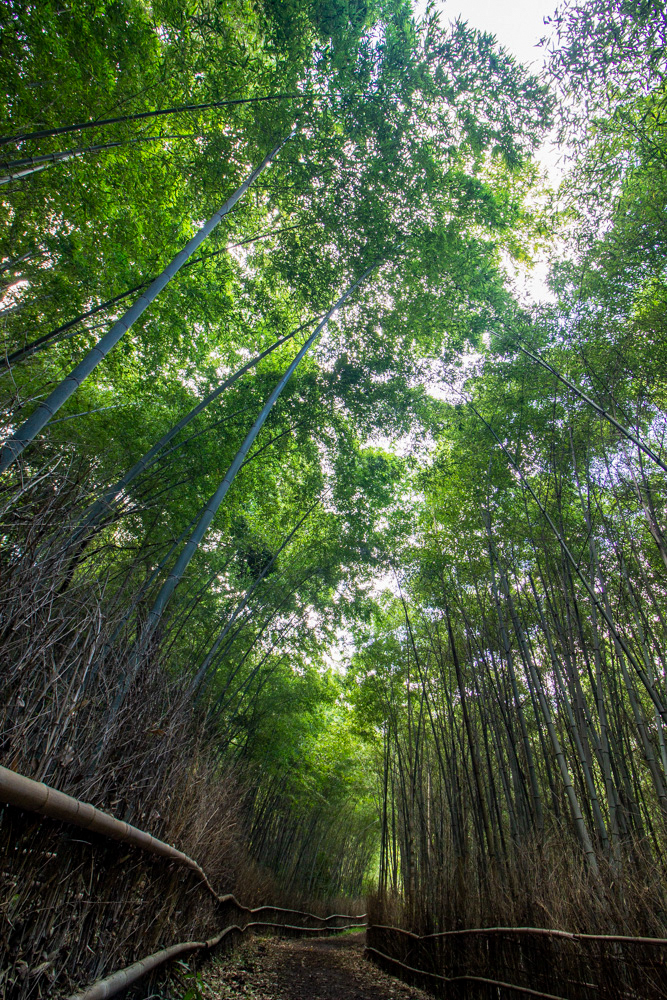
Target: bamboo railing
point(120, 980)
point(461, 979)
point(24, 793)
point(619, 976)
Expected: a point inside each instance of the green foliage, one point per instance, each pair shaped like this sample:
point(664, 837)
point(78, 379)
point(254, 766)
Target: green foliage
point(409, 153)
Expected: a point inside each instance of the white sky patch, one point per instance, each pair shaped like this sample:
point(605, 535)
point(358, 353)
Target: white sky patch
point(517, 24)
point(401, 446)
point(12, 293)
point(450, 389)
point(530, 283)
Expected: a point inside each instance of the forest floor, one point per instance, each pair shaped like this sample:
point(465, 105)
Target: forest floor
point(327, 969)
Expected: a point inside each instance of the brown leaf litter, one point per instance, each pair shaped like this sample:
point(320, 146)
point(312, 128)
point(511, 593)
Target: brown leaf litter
point(332, 968)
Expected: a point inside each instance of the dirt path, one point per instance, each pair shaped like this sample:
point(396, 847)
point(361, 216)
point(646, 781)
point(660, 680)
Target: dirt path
point(328, 969)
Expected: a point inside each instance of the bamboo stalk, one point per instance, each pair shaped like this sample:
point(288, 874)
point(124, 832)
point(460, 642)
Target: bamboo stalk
point(26, 433)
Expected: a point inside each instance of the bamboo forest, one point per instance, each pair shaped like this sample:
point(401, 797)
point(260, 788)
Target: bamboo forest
point(333, 579)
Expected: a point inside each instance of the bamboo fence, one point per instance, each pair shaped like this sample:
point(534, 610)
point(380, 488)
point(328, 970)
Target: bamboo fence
point(44, 886)
point(492, 962)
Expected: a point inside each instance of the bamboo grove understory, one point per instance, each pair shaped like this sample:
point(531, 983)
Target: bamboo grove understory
point(327, 556)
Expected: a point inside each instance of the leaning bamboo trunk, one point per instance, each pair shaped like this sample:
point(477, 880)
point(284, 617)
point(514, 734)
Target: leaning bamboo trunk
point(141, 115)
point(213, 505)
point(38, 420)
point(211, 508)
point(201, 673)
point(102, 505)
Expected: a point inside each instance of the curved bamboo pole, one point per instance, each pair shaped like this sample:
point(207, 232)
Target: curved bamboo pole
point(459, 979)
point(544, 931)
point(120, 980)
point(17, 790)
point(35, 796)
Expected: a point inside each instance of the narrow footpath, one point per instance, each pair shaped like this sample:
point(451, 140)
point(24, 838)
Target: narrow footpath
point(327, 969)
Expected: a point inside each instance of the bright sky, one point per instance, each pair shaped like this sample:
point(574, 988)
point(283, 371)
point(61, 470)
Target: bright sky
point(517, 24)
